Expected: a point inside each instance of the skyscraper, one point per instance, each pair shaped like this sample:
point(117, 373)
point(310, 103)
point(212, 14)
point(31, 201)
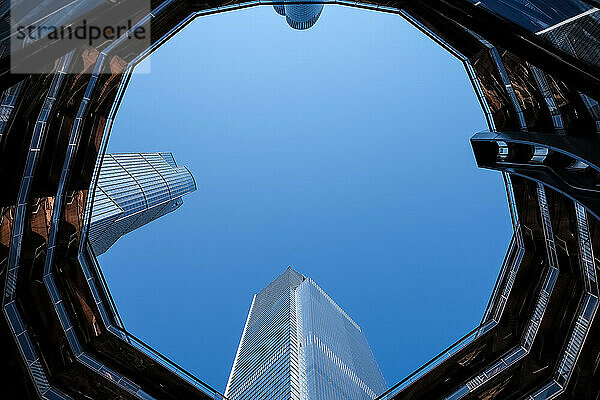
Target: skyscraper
point(135, 189)
point(298, 344)
point(535, 68)
point(300, 16)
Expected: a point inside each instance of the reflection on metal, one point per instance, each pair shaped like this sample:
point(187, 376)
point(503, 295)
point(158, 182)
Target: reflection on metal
point(539, 153)
point(564, 158)
point(578, 36)
point(542, 83)
point(587, 312)
point(473, 77)
point(7, 105)
point(529, 335)
point(505, 79)
point(494, 312)
point(593, 108)
point(502, 150)
point(537, 15)
point(495, 81)
point(87, 260)
point(577, 165)
point(11, 311)
point(84, 358)
point(567, 161)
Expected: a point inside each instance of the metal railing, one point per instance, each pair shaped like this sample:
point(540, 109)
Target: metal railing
point(494, 310)
point(27, 350)
point(587, 311)
point(532, 329)
point(108, 310)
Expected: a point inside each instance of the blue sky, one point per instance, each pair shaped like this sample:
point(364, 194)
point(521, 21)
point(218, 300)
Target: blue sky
point(342, 151)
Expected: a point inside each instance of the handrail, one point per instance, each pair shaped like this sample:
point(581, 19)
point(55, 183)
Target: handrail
point(140, 344)
point(116, 326)
point(501, 277)
point(108, 294)
point(484, 327)
point(588, 308)
point(27, 351)
point(520, 351)
point(437, 360)
point(465, 340)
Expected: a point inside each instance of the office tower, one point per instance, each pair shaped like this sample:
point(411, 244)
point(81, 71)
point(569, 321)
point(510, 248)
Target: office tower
point(534, 67)
point(135, 189)
point(298, 344)
point(300, 16)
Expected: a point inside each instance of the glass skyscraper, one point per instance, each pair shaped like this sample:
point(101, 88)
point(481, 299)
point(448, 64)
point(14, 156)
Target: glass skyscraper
point(300, 16)
point(135, 189)
point(535, 68)
point(298, 344)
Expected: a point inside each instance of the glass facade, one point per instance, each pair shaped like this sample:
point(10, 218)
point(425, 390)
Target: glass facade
point(67, 340)
point(579, 36)
point(134, 189)
point(338, 361)
point(299, 344)
point(569, 25)
point(300, 16)
point(536, 15)
point(7, 105)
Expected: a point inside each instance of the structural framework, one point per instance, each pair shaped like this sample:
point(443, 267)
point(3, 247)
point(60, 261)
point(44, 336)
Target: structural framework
point(535, 66)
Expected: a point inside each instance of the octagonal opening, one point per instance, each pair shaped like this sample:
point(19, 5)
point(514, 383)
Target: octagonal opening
point(341, 150)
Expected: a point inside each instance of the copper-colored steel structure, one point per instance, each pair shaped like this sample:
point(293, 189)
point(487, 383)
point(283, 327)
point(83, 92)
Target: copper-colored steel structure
point(62, 337)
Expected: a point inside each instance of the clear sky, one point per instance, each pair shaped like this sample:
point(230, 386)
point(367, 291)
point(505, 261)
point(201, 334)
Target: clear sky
point(342, 151)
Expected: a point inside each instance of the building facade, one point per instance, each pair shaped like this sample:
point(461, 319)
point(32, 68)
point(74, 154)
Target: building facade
point(134, 189)
point(300, 16)
point(298, 344)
